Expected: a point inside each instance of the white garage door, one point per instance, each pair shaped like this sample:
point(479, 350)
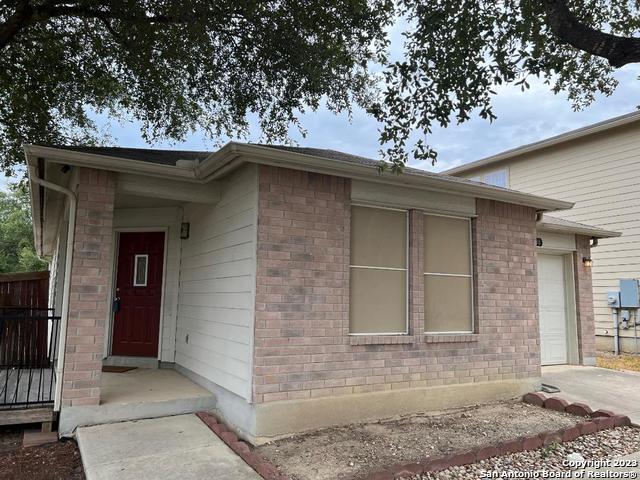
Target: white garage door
point(553, 309)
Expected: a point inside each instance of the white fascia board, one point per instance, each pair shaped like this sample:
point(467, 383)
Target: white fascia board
point(105, 162)
point(34, 198)
point(587, 232)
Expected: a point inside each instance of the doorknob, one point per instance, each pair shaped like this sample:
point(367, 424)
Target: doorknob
point(116, 305)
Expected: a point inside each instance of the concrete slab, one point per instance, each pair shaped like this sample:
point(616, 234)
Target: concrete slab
point(147, 385)
point(179, 447)
point(597, 387)
point(137, 394)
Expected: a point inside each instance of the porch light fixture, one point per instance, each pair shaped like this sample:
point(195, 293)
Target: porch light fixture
point(587, 262)
point(184, 230)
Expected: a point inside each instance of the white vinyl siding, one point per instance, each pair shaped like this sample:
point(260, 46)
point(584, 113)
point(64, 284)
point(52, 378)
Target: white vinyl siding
point(601, 174)
point(217, 286)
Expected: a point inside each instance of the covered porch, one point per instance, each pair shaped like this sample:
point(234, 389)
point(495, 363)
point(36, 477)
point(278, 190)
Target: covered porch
point(115, 243)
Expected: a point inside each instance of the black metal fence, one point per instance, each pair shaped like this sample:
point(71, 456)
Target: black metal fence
point(28, 345)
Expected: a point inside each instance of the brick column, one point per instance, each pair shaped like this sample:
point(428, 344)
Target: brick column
point(302, 291)
point(90, 284)
point(507, 286)
point(416, 272)
point(584, 303)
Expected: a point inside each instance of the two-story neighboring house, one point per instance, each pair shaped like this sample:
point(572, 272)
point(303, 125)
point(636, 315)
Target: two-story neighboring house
point(598, 168)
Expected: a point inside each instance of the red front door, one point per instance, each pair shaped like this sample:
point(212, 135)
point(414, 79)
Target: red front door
point(136, 322)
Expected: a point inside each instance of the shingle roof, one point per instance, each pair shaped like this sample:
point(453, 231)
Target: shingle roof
point(151, 155)
point(349, 158)
point(170, 157)
point(325, 153)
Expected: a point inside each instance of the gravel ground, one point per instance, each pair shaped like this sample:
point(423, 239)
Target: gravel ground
point(598, 446)
point(355, 450)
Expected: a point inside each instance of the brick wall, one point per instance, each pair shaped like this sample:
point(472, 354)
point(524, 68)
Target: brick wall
point(302, 349)
point(584, 302)
point(90, 283)
point(302, 287)
point(506, 280)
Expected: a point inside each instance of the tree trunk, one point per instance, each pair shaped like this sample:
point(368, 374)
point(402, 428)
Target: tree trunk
point(617, 50)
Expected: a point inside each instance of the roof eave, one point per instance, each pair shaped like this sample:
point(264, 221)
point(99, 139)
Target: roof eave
point(105, 162)
point(234, 151)
point(34, 198)
point(587, 232)
point(233, 154)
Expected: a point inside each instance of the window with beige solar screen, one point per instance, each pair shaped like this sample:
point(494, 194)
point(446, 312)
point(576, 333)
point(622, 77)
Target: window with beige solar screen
point(448, 279)
point(378, 271)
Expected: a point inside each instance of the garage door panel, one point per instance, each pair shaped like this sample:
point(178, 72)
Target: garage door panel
point(552, 309)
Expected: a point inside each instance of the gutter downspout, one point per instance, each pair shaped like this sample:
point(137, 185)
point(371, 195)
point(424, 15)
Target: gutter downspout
point(64, 318)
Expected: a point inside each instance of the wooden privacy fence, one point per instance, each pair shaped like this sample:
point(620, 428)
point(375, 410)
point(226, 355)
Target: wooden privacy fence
point(24, 335)
point(27, 289)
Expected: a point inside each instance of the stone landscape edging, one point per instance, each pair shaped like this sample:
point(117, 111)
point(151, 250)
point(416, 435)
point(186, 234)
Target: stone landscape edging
point(261, 465)
point(599, 420)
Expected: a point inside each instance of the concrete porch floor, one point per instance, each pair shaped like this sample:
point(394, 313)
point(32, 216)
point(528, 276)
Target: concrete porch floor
point(148, 385)
point(138, 394)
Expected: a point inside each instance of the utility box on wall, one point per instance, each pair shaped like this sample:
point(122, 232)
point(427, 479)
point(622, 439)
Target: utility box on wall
point(613, 299)
point(629, 297)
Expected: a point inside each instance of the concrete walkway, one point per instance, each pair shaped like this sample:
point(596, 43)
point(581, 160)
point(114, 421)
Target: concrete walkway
point(600, 388)
point(597, 387)
point(180, 447)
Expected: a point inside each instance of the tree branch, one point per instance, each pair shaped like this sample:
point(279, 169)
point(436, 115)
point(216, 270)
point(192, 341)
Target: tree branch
point(619, 51)
point(27, 14)
point(20, 19)
point(83, 12)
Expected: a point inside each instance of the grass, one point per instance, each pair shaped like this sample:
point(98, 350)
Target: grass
point(620, 362)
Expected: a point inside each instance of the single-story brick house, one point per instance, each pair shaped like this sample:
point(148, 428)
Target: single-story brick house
point(300, 286)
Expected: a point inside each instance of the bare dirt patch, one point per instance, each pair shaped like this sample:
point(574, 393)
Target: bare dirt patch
point(10, 438)
point(55, 461)
point(355, 450)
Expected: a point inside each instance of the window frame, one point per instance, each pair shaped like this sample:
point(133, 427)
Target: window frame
point(470, 276)
point(406, 270)
point(482, 178)
point(146, 270)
